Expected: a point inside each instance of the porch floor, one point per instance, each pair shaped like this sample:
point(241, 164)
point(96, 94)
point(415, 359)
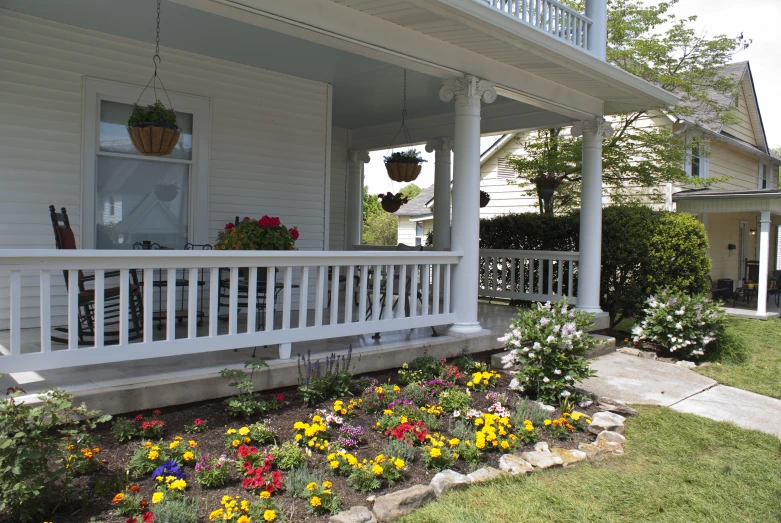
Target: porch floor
point(749, 310)
point(140, 384)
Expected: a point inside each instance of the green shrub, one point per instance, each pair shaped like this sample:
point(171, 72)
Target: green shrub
point(297, 480)
point(246, 403)
point(455, 399)
point(331, 380)
point(35, 444)
point(554, 358)
point(176, 510)
point(687, 327)
point(288, 456)
point(423, 368)
point(415, 392)
point(400, 449)
point(526, 409)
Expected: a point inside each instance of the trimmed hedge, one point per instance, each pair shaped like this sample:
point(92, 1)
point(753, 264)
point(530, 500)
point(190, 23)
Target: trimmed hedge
point(643, 250)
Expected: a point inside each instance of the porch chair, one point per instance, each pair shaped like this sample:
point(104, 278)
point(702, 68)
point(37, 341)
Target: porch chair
point(65, 239)
point(715, 291)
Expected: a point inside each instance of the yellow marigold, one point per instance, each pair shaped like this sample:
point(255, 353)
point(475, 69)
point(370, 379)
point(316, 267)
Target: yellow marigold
point(71, 447)
point(316, 418)
point(399, 463)
point(327, 484)
point(547, 422)
point(379, 390)
point(118, 498)
point(188, 456)
point(265, 494)
point(334, 464)
point(343, 412)
point(310, 487)
point(378, 470)
point(480, 444)
point(231, 431)
point(396, 389)
point(299, 437)
point(588, 421)
point(315, 501)
point(243, 519)
point(235, 443)
point(178, 438)
point(270, 515)
point(157, 497)
point(380, 459)
point(147, 444)
point(505, 445)
point(387, 412)
point(192, 443)
point(435, 452)
point(299, 425)
point(453, 442)
point(247, 440)
point(216, 514)
point(403, 419)
point(153, 455)
point(243, 431)
point(469, 384)
point(178, 484)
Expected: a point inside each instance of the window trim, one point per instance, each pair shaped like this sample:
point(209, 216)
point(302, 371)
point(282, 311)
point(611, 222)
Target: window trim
point(703, 157)
point(96, 90)
point(768, 176)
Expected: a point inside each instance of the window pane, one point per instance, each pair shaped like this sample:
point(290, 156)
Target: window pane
point(114, 137)
point(141, 200)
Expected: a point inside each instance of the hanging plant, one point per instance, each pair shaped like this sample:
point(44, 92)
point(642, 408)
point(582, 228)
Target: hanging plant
point(404, 166)
point(152, 128)
point(546, 185)
point(484, 198)
point(166, 192)
point(392, 202)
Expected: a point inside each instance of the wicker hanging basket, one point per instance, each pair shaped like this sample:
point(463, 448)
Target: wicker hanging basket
point(484, 198)
point(154, 138)
point(390, 206)
point(403, 172)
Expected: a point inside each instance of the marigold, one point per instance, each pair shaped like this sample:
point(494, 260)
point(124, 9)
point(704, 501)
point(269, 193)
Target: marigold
point(243, 519)
point(216, 514)
point(310, 487)
point(243, 431)
point(153, 455)
point(134, 488)
point(188, 456)
point(399, 463)
point(235, 443)
point(192, 443)
point(118, 498)
point(157, 497)
point(435, 452)
point(270, 515)
point(315, 501)
point(378, 470)
point(327, 484)
point(265, 494)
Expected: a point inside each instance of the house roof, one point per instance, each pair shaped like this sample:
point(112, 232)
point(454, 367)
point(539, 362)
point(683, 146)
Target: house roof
point(418, 205)
point(708, 193)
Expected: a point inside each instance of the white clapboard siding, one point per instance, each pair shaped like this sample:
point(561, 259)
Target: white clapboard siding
point(268, 136)
point(338, 189)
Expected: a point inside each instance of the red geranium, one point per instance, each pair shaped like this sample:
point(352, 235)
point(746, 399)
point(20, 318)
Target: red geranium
point(409, 431)
point(147, 517)
point(198, 421)
point(245, 451)
point(156, 412)
point(294, 233)
point(280, 397)
point(268, 221)
point(262, 477)
point(230, 225)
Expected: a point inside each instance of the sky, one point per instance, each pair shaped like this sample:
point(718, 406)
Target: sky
point(757, 19)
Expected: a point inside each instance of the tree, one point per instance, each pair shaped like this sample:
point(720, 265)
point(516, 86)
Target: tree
point(379, 227)
point(410, 191)
point(655, 45)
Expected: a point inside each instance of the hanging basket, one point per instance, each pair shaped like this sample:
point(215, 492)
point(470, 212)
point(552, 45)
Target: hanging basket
point(390, 206)
point(154, 138)
point(166, 192)
point(403, 172)
point(484, 198)
point(546, 192)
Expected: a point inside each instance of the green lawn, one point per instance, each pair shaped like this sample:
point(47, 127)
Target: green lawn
point(678, 468)
point(760, 371)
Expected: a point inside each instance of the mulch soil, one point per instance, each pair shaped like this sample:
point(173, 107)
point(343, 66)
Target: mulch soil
point(99, 488)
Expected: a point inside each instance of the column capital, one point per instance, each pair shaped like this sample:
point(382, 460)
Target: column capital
point(595, 127)
point(468, 91)
point(359, 156)
point(443, 144)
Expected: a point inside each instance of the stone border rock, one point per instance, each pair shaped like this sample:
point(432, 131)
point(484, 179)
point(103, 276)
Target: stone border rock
point(608, 426)
point(651, 355)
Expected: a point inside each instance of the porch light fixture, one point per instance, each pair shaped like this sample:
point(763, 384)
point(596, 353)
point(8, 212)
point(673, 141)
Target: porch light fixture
point(752, 232)
point(153, 128)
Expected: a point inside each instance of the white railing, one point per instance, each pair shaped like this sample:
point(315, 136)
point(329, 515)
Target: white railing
point(291, 297)
point(548, 16)
point(528, 275)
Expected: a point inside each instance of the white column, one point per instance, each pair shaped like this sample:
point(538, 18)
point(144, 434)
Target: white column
point(590, 262)
point(596, 10)
point(441, 148)
point(764, 253)
point(467, 91)
point(355, 196)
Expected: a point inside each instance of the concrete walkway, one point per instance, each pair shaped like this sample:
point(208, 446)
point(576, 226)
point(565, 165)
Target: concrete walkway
point(648, 382)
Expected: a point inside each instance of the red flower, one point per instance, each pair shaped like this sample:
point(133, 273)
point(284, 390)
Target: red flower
point(143, 503)
point(281, 397)
point(268, 221)
point(229, 225)
point(148, 517)
point(156, 412)
point(134, 488)
point(246, 218)
point(131, 520)
point(139, 417)
point(294, 233)
point(245, 450)
point(198, 421)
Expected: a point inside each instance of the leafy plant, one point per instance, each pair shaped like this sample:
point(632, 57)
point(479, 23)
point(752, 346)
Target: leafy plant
point(247, 402)
point(176, 510)
point(213, 472)
point(250, 234)
point(288, 456)
point(526, 409)
point(423, 368)
point(390, 198)
point(465, 363)
point(684, 326)
point(437, 456)
point(455, 399)
point(297, 480)
point(154, 113)
point(318, 382)
point(401, 449)
point(124, 429)
point(408, 156)
point(197, 426)
point(145, 459)
point(34, 445)
point(550, 343)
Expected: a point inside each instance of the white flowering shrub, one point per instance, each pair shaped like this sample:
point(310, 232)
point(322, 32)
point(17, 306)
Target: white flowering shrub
point(686, 326)
point(549, 342)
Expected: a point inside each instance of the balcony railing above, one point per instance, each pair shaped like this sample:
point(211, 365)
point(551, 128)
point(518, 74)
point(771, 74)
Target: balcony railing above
point(549, 16)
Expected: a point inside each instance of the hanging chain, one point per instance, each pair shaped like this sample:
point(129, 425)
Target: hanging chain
point(403, 128)
point(156, 60)
point(157, 37)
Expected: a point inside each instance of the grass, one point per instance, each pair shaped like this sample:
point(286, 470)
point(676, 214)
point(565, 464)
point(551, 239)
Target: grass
point(756, 365)
point(678, 468)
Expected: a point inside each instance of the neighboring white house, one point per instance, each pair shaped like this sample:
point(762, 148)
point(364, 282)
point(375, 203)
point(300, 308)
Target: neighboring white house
point(279, 102)
point(737, 151)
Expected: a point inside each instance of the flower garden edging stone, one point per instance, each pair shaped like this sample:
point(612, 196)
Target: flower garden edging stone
point(568, 456)
point(616, 407)
point(448, 479)
point(607, 442)
point(607, 421)
point(357, 514)
point(486, 474)
point(514, 465)
point(542, 459)
point(397, 504)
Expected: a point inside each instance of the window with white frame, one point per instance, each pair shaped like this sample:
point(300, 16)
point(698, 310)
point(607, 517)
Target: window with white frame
point(135, 198)
point(419, 237)
point(764, 176)
point(697, 164)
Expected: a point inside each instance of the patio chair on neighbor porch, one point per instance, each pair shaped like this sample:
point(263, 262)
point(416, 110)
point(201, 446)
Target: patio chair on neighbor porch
point(65, 239)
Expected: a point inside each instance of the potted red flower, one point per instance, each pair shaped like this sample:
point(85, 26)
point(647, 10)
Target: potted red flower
point(250, 234)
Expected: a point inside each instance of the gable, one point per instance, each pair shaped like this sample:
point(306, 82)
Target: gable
point(742, 108)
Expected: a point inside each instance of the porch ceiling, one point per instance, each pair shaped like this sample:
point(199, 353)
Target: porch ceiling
point(366, 92)
point(720, 201)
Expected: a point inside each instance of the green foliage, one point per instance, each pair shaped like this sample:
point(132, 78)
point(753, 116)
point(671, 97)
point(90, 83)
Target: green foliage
point(145, 459)
point(685, 326)
point(408, 156)
point(35, 477)
point(410, 190)
point(438, 458)
point(154, 113)
point(246, 403)
point(400, 449)
point(176, 510)
point(554, 358)
point(465, 364)
point(364, 480)
point(213, 472)
point(288, 456)
point(526, 409)
point(250, 234)
point(297, 480)
point(415, 392)
point(379, 227)
point(124, 429)
point(317, 382)
point(455, 399)
point(528, 231)
point(423, 368)
point(461, 429)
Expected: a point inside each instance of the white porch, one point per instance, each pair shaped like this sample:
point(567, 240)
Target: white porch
point(285, 100)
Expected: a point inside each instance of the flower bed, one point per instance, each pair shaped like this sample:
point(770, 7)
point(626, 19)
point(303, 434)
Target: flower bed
point(396, 430)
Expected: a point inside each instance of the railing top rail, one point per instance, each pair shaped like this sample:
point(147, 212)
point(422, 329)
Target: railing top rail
point(529, 253)
point(559, 5)
point(21, 259)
